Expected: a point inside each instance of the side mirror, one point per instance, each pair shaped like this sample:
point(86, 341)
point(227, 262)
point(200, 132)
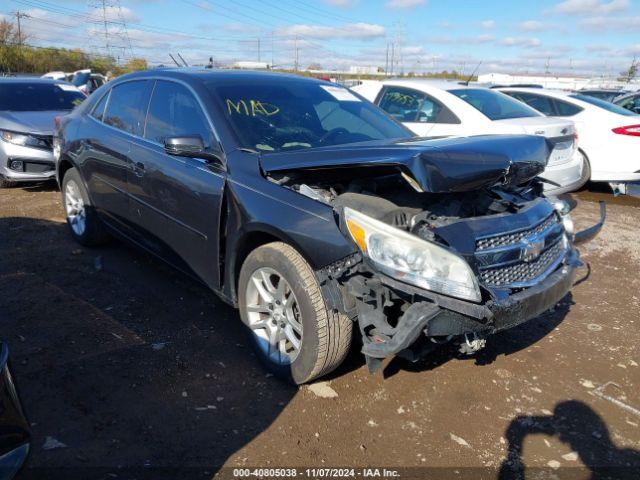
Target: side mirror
point(190, 146)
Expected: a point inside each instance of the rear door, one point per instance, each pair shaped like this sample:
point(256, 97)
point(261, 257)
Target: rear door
point(176, 201)
point(422, 113)
point(114, 122)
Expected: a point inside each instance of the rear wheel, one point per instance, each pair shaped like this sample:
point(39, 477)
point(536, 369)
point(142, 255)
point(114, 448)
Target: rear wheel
point(82, 219)
point(281, 304)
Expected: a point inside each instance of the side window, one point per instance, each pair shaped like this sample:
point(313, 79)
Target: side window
point(127, 106)
point(539, 102)
point(407, 105)
point(174, 111)
point(566, 109)
point(631, 103)
point(98, 110)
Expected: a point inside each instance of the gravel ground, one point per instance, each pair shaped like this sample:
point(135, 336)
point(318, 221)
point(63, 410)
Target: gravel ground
point(129, 370)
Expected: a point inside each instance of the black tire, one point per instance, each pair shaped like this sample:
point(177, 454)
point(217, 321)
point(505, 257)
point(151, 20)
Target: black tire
point(4, 183)
point(94, 233)
point(326, 334)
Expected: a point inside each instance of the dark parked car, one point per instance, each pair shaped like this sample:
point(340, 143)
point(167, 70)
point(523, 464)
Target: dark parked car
point(630, 102)
point(27, 109)
point(14, 428)
point(310, 210)
point(603, 94)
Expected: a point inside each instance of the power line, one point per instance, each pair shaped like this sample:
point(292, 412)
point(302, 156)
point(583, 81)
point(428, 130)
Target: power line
point(19, 15)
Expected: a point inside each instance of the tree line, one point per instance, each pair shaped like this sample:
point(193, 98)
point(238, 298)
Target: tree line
point(18, 56)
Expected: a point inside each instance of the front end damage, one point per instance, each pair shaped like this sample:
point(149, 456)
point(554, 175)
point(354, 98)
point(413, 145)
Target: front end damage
point(476, 203)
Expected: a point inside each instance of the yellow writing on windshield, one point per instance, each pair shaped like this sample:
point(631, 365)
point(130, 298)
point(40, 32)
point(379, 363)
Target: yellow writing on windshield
point(251, 108)
point(402, 99)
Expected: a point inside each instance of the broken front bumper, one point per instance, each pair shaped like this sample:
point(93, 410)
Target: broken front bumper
point(433, 315)
point(436, 316)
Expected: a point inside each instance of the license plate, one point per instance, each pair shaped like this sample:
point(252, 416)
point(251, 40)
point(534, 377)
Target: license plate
point(563, 152)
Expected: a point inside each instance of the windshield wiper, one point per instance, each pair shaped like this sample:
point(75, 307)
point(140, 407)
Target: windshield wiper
point(249, 150)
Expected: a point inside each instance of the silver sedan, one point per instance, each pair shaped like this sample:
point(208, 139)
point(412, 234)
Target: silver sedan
point(28, 107)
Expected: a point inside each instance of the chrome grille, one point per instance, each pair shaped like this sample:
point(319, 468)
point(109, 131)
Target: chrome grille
point(515, 237)
point(522, 273)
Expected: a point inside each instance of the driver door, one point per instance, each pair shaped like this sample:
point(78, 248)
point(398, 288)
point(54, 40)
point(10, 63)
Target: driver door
point(176, 201)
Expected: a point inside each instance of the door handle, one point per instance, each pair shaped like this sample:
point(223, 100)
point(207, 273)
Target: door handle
point(138, 169)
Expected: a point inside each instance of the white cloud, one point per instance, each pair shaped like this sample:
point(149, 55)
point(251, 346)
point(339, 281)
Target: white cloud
point(413, 50)
point(404, 3)
point(534, 26)
point(627, 24)
point(351, 30)
point(450, 40)
point(488, 24)
point(525, 42)
point(591, 7)
point(485, 38)
point(341, 3)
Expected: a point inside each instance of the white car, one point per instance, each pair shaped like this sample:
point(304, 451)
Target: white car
point(440, 108)
point(608, 133)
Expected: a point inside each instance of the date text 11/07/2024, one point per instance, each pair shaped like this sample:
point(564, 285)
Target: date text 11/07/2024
point(315, 473)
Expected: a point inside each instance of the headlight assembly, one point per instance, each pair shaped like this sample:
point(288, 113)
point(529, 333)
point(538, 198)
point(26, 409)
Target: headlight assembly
point(22, 139)
point(410, 259)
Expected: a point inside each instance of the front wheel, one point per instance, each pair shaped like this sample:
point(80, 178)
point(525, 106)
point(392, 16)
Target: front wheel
point(281, 304)
point(83, 222)
point(4, 183)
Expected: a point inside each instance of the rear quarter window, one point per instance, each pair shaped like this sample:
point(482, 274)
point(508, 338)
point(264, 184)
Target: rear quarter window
point(98, 110)
point(566, 109)
point(494, 105)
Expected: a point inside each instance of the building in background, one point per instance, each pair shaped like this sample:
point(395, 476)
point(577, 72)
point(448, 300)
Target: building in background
point(550, 81)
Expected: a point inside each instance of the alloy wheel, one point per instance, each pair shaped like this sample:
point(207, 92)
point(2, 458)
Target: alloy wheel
point(273, 316)
point(75, 208)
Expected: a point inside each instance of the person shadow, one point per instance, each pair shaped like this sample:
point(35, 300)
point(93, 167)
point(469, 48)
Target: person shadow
point(578, 426)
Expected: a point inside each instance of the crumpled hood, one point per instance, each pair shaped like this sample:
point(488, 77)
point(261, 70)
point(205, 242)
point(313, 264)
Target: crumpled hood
point(39, 123)
point(438, 166)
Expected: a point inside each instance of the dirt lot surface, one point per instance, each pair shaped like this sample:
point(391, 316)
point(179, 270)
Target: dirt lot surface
point(125, 365)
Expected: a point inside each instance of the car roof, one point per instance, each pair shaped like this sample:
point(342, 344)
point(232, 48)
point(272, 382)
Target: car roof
point(627, 95)
point(218, 75)
point(31, 80)
point(550, 91)
point(602, 90)
point(431, 83)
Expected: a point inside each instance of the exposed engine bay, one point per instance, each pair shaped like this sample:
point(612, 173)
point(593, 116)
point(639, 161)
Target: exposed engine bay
point(455, 242)
point(392, 199)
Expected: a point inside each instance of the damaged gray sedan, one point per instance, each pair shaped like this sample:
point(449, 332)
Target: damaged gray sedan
point(315, 213)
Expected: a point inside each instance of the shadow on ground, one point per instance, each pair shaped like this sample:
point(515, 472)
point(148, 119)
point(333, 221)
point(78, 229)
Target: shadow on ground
point(504, 343)
point(584, 432)
point(125, 368)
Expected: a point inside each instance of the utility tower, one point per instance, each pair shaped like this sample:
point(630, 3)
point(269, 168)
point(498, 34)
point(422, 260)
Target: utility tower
point(110, 26)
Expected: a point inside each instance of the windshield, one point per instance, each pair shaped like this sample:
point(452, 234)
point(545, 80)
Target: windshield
point(38, 97)
point(281, 115)
point(610, 107)
point(80, 78)
point(495, 105)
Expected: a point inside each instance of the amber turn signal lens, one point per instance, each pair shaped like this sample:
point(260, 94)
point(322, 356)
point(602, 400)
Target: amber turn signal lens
point(357, 233)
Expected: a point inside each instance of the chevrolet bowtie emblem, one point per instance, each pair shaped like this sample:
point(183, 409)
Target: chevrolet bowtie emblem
point(532, 249)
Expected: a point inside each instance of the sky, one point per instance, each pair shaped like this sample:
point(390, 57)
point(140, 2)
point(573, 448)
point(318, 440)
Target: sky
point(578, 37)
